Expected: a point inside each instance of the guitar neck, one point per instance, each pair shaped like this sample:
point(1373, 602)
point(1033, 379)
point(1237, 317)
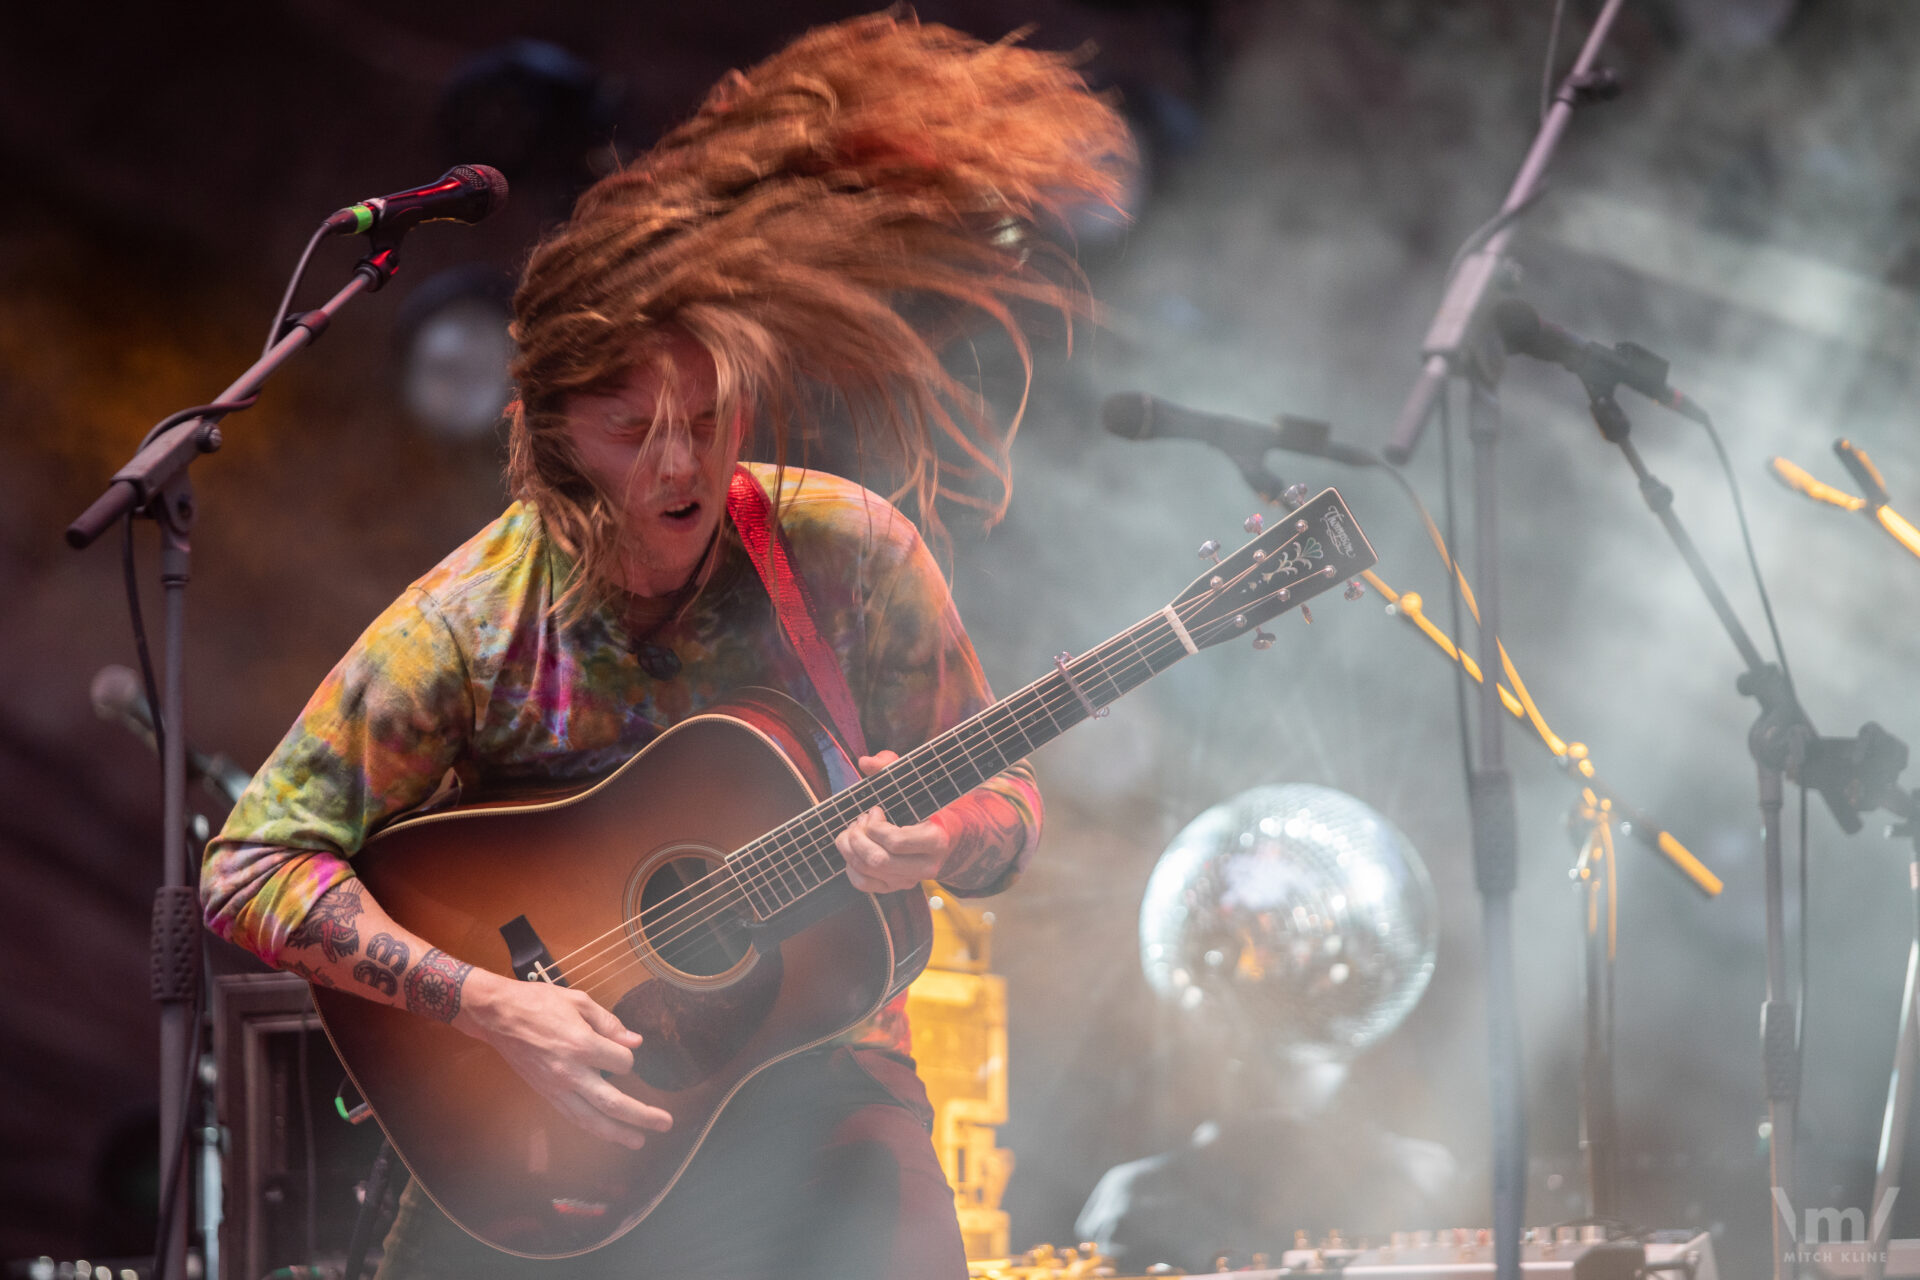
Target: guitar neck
point(792, 860)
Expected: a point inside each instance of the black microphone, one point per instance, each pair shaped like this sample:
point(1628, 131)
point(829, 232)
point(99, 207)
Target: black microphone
point(1601, 368)
point(465, 193)
point(1137, 416)
point(117, 695)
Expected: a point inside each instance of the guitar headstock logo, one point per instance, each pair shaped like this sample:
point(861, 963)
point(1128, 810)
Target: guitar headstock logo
point(1337, 534)
point(1294, 560)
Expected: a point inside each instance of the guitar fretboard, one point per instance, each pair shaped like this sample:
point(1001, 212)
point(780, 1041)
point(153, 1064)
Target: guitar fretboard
point(798, 857)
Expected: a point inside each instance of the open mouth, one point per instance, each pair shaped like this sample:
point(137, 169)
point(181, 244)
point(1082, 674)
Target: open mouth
point(682, 514)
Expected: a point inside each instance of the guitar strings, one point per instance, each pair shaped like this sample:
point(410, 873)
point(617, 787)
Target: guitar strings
point(796, 832)
point(713, 890)
point(1045, 705)
point(807, 829)
point(810, 827)
point(804, 834)
point(603, 974)
point(839, 815)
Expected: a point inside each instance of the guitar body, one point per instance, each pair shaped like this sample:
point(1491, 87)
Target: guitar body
point(715, 1000)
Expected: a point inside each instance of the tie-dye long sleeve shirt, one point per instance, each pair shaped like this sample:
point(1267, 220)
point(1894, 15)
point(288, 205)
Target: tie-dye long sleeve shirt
point(473, 671)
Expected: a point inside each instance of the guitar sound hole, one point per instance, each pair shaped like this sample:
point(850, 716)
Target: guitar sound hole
point(681, 923)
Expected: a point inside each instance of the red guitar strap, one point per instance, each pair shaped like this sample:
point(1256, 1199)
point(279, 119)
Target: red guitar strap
point(752, 514)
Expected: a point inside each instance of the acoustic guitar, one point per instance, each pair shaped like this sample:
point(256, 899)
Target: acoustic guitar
point(696, 893)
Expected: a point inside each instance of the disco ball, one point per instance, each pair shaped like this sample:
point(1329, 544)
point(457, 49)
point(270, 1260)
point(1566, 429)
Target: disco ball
point(1293, 917)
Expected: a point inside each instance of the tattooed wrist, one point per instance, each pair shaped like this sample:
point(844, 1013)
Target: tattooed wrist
point(434, 985)
point(981, 845)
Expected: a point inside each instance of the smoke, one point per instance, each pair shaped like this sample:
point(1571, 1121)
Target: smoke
point(1746, 211)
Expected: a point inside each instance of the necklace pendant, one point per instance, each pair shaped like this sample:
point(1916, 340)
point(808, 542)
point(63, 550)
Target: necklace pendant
point(657, 661)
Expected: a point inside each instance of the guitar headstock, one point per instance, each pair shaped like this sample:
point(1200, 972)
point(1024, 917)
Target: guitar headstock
point(1311, 549)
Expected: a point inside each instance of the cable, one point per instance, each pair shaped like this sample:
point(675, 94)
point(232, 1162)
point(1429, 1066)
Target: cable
point(1453, 593)
point(1553, 49)
point(140, 643)
point(1492, 227)
point(286, 299)
point(1753, 561)
point(306, 1134)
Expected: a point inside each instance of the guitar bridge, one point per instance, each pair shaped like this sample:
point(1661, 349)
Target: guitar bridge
point(531, 960)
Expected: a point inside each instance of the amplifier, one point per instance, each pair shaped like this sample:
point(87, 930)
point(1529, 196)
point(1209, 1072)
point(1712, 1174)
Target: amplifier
point(285, 1201)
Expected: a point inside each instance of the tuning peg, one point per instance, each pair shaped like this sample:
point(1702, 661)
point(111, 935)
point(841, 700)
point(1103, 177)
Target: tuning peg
point(1307, 613)
point(1210, 550)
point(1296, 495)
point(1354, 589)
point(1254, 523)
point(1262, 639)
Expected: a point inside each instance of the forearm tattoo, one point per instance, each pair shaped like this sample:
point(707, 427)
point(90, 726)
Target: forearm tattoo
point(385, 964)
point(984, 840)
point(434, 985)
point(333, 923)
point(311, 974)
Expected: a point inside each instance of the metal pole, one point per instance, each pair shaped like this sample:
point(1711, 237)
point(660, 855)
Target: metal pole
point(1496, 856)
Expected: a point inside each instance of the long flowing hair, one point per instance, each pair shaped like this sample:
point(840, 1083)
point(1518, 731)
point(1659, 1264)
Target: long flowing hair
point(821, 226)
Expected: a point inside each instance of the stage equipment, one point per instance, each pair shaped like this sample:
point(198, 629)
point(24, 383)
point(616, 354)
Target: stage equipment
point(1137, 416)
point(541, 113)
point(155, 484)
point(1595, 812)
point(779, 954)
point(1457, 346)
point(1875, 504)
point(454, 351)
point(465, 193)
point(1625, 364)
point(1576, 1253)
point(116, 696)
point(291, 1165)
point(1851, 774)
point(1132, 415)
point(1297, 916)
point(1572, 1253)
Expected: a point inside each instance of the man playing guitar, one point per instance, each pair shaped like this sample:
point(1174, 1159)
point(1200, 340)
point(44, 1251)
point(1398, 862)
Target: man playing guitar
point(799, 245)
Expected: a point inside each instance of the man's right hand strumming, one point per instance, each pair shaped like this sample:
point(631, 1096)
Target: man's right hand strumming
point(565, 1046)
point(557, 1039)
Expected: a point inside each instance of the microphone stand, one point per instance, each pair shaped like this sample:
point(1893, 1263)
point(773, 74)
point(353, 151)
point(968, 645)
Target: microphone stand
point(1594, 876)
point(155, 485)
point(1849, 773)
point(1455, 346)
point(1478, 273)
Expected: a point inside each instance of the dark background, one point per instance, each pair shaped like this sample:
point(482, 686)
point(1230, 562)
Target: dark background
point(1747, 208)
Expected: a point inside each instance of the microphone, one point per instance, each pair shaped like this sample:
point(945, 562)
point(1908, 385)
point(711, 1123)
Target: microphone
point(1601, 368)
point(117, 695)
point(465, 193)
point(1134, 415)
